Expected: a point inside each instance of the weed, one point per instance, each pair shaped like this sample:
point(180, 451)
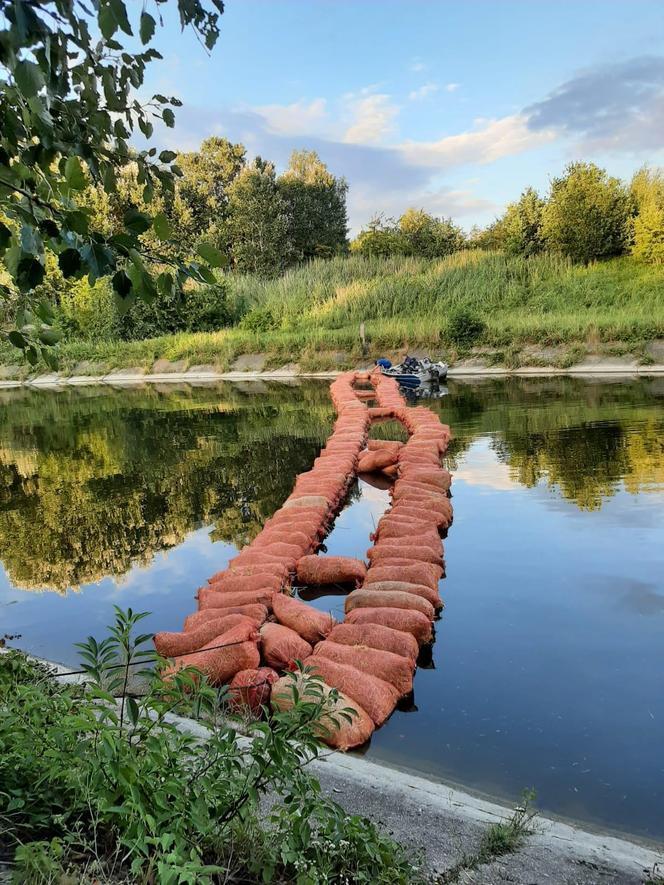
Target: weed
point(501, 838)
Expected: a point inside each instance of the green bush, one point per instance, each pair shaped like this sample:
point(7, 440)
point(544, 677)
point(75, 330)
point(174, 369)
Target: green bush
point(259, 319)
point(94, 780)
point(90, 312)
point(464, 327)
point(203, 309)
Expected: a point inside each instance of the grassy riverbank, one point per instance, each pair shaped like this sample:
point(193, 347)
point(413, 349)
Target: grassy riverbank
point(312, 315)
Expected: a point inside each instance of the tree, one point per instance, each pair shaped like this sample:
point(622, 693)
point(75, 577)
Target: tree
point(647, 228)
point(316, 202)
point(201, 194)
point(521, 225)
point(258, 223)
point(380, 239)
point(68, 108)
point(587, 214)
point(425, 236)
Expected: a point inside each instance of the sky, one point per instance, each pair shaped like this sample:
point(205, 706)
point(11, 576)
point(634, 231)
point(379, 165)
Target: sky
point(453, 107)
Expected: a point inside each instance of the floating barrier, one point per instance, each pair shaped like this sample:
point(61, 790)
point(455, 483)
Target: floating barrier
point(249, 628)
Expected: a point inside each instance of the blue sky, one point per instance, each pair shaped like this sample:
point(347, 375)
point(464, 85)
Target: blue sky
point(454, 107)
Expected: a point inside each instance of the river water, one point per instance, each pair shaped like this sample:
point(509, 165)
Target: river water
point(548, 665)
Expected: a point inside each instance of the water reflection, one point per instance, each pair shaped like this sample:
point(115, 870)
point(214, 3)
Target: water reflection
point(548, 664)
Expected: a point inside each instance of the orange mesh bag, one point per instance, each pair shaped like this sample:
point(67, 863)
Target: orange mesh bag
point(209, 598)
point(330, 570)
point(224, 656)
point(401, 532)
point(376, 461)
point(333, 728)
point(415, 623)
point(440, 478)
point(376, 636)
point(312, 502)
point(385, 665)
point(250, 690)
point(414, 572)
point(391, 471)
point(171, 644)
point(276, 548)
point(378, 412)
point(229, 581)
point(403, 561)
point(386, 445)
point(387, 550)
point(407, 486)
point(422, 590)
point(280, 535)
point(250, 556)
point(312, 625)
point(441, 512)
point(389, 524)
point(391, 599)
point(377, 697)
point(282, 646)
point(255, 613)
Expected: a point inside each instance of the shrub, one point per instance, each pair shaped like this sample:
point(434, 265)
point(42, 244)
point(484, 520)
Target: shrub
point(259, 319)
point(90, 312)
point(464, 327)
point(91, 780)
point(202, 309)
point(587, 214)
point(647, 191)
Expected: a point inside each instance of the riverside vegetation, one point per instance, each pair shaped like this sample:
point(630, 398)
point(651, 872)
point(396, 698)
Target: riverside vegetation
point(97, 787)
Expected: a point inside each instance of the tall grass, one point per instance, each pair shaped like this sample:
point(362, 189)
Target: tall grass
point(316, 310)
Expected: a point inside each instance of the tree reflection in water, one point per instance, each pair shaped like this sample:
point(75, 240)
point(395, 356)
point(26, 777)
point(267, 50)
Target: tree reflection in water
point(93, 481)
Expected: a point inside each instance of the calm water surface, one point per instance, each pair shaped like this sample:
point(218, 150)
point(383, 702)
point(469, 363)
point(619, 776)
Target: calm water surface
point(548, 666)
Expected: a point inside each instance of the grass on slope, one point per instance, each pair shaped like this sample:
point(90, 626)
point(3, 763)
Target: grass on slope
point(315, 310)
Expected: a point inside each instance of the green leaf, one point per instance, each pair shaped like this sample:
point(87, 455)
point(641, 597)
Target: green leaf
point(108, 24)
point(161, 226)
point(29, 78)
point(17, 339)
point(212, 255)
point(168, 117)
point(49, 336)
point(121, 283)
point(29, 273)
point(132, 710)
point(74, 174)
point(147, 27)
point(77, 221)
point(167, 156)
point(45, 312)
point(69, 262)
point(136, 222)
point(120, 13)
point(165, 284)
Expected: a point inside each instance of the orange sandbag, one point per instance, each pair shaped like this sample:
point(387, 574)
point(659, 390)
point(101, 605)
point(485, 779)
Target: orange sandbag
point(441, 518)
point(376, 461)
point(171, 644)
point(265, 568)
point(391, 599)
point(401, 532)
point(377, 697)
point(312, 502)
point(224, 656)
point(415, 623)
point(229, 581)
point(415, 572)
point(392, 471)
point(282, 646)
point(312, 625)
point(376, 636)
point(387, 550)
point(333, 729)
point(250, 690)
point(249, 556)
point(256, 613)
point(422, 590)
point(276, 548)
point(440, 478)
point(378, 412)
point(330, 570)
point(209, 598)
point(396, 670)
point(386, 445)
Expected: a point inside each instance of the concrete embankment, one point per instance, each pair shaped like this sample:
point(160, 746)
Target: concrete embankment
point(196, 375)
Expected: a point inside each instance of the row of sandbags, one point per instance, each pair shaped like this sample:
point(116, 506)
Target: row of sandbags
point(245, 618)
point(371, 657)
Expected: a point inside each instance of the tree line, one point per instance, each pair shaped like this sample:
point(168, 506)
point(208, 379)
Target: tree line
point(587, 215)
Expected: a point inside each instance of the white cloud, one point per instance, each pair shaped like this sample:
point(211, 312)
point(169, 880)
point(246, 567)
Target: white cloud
point(452, 87)
point(373, 117)
point(295, 118)
point(423, 91)
point(417, 65)
point(488, 141)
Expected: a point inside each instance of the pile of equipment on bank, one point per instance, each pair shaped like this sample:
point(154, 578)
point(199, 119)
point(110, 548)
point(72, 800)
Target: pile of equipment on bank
point(249, 631)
